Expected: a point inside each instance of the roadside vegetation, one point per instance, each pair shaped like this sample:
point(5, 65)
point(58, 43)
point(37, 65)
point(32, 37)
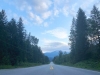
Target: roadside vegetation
point(84, 41)
point(17, 47)
point(92, 65)
point(21, 65)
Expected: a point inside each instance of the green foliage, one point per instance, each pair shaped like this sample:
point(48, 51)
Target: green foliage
point(84, 42)
point(6, 66)
point(81, 44)
point(3, 32)
point(21, 65)
point(94, 31)
point(27, 64)
point(72, 39)
point(62, 58)
point(16, 46)
point(87, 64)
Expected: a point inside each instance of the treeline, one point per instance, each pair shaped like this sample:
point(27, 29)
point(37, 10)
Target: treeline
point(84, 38)
point(63, 57)
point(16, 46)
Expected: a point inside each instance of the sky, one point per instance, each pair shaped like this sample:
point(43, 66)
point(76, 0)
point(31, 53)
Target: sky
point(48, 20)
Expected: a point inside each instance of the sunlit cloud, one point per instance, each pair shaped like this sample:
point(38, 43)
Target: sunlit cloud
point(46, 15)
point(39, 11)
point(60, 33)
point(51, 45)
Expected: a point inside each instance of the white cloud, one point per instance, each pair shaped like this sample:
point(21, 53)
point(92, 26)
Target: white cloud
point(56, 12)
point(86, 4)
point(60, 33)
point(41, 6)
point(39, 11)
point(73, 9)
point(31, 15)
point(98, 4)
point(46, 15)
point(35, 18)
point(23, 6)
point(65, 10)
point(51, 45)
point(60, 6)
point(38, 19)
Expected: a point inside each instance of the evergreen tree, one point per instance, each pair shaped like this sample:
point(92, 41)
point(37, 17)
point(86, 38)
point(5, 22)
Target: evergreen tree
point(94, 30)
point(85, 39)
point(81, 44)
point(13, 42)
point(16, 46)
point(3, 38)
point(21, 38)
point(72, 40)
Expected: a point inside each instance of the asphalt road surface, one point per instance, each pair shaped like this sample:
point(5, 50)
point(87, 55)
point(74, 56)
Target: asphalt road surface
point(50, 69)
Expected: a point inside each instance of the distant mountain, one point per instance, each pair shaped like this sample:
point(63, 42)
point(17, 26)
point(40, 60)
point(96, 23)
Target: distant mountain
point(51, 55)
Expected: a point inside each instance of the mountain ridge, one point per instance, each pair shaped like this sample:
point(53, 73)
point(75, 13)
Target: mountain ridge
point(51, 55)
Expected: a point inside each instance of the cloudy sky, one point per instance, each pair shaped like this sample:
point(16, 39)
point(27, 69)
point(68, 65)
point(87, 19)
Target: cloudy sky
point(48, 20)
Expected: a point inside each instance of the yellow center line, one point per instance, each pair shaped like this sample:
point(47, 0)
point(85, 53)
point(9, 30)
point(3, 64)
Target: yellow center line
point(51, 67)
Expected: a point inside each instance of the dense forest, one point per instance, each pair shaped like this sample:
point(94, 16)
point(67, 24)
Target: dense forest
point(84, 39)
point(16, 45)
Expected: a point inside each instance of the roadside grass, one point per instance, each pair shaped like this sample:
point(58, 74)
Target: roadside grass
point(92, 65)
point(6, 66)
point(21, 65)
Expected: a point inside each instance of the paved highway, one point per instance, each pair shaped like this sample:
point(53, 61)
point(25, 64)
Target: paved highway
point(50, 69)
